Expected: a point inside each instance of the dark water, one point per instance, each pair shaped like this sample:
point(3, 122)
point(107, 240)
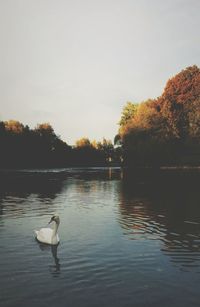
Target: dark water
point(125, 240)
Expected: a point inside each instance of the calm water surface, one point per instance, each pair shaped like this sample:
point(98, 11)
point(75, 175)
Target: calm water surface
point(125, 240)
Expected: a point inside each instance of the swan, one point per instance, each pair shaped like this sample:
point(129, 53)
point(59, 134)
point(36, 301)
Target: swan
point(49, 235)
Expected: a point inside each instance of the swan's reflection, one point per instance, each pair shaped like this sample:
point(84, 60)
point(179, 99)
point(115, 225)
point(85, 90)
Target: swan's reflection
point(53, 268)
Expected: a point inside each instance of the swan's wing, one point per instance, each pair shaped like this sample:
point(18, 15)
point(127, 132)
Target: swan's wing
point(44, 235)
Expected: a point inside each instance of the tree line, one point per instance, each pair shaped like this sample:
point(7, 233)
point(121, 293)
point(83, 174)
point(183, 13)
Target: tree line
point(157, 132)
point(165, 130)
point(22, 147)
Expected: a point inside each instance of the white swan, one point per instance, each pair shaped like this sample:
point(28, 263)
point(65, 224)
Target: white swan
point(49, 235)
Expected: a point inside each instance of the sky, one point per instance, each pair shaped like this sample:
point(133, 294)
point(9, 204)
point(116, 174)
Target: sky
point(75, 63)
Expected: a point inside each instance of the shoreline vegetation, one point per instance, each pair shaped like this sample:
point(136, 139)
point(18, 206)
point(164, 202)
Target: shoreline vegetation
point(161, 133)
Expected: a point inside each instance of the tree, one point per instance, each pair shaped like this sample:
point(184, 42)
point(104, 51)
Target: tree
point(128, 112)
point(107, 149)
point(45, 129)
point(83, 142)
point(178, 99)
point(158, 131)
point(14, 126)
point(194, 119)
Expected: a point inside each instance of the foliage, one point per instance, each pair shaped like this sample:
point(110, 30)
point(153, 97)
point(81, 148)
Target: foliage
point(162, 131)
point(93, 153)
point(129, 110)
point(177, 100)
point(14, 126)
point(22, 147)
point(83, 142)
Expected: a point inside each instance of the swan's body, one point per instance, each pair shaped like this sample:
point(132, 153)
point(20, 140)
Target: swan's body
point(49, 235)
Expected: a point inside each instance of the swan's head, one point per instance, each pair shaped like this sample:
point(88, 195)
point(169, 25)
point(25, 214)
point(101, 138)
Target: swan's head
point(55, 218)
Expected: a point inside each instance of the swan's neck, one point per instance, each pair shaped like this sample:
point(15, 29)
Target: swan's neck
point(54, 228)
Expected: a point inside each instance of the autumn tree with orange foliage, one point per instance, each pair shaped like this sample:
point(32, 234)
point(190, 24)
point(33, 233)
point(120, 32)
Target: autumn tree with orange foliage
point(179, 99)
point(14, 126)
point(83, 142)
point(162, 130)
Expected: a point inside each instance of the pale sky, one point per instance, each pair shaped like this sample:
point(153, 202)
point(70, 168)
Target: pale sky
point(75, 63)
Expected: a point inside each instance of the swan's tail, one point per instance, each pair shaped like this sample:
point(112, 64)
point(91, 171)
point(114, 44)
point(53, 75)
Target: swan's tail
point(36, 232)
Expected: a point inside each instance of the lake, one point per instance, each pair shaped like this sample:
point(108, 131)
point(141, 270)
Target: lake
point(126, 240)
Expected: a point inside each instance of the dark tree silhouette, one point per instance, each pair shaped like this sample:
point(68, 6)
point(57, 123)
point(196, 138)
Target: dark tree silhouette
point(22, 147)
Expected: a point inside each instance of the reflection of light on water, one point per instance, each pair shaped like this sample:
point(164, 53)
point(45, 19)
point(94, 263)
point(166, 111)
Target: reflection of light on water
point(110, 173)
point(115, 173)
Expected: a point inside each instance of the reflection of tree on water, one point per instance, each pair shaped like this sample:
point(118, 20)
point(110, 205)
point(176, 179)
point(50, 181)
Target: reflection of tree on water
point(88, 184)
point(54, 268)
point(165, 208)
point(38, 182)
point(21, 190)
point(97, 173)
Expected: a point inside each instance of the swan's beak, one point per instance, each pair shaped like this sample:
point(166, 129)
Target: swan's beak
point(51, 220)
